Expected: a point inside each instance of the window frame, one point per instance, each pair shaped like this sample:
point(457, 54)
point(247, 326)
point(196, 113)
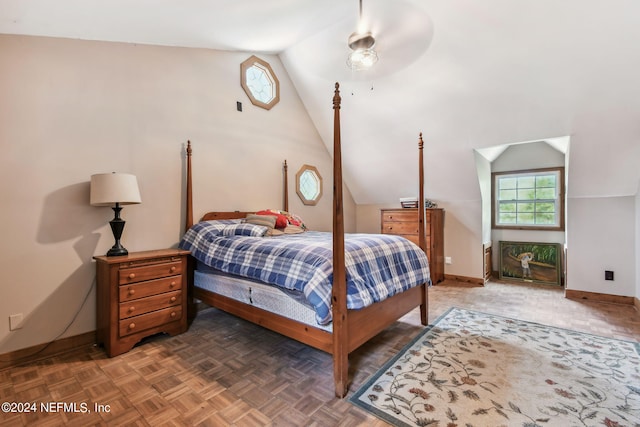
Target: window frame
point(559, 200)
point(254, 61)
point(313, 170)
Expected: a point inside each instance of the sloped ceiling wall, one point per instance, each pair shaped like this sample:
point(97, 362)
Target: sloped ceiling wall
point(494, 72)
point(467, 74)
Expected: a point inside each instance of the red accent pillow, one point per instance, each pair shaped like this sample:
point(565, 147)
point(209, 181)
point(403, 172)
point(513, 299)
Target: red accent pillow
point(281, 220)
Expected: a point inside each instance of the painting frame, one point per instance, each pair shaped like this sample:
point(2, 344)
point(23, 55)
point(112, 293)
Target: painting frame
point(531, 262)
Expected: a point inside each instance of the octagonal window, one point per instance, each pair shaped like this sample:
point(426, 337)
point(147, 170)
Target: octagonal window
point(309, 185)
point(260, 82)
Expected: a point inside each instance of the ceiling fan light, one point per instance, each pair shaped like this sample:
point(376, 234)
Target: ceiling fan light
point(362, 59)
point(363, 56)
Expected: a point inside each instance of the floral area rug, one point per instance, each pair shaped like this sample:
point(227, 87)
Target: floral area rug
point(475, 369)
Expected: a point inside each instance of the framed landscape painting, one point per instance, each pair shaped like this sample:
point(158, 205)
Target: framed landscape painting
point(531, 262)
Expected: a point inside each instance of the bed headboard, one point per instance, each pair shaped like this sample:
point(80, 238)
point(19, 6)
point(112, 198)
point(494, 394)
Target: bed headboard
point(209, 216)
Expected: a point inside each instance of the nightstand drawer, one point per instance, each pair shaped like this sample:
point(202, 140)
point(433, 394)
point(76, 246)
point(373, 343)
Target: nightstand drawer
point(148, 304)
point(150, 320)
point(138, 274)
point(151, 287)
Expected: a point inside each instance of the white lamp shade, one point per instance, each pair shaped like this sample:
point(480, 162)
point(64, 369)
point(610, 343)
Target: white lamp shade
point(107, 189)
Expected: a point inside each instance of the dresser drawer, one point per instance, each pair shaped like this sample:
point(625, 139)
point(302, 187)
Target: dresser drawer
point(139, 274)
point(405, 222)
point(413, 237)
point(400, 228)
point(148, 304)
point(136, 324)
point(416, 239)
point(150, 287)
point(400, 216)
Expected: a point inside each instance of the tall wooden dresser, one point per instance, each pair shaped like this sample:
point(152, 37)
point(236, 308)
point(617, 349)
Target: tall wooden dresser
point(138, 295)
point(404, 222)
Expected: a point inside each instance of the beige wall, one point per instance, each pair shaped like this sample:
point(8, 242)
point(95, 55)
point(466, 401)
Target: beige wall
point(70, 109)
point(600, 238)
point(637, 246)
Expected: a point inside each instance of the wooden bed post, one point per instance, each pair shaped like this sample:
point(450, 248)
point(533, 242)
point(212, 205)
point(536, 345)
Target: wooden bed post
point(339, 288)
point(424, 304)
point(350, 328)
point(286, 187)
point(189, 213)
point(192, 308)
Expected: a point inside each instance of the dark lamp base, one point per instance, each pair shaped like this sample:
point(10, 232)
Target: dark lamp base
point(115, 251)
point(117, 225)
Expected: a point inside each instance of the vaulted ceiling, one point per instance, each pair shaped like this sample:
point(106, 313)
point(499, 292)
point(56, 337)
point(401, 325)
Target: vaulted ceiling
point(469, 74)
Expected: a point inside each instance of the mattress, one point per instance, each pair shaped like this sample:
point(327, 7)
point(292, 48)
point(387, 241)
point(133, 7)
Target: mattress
point(290, 304)
point(378, 266)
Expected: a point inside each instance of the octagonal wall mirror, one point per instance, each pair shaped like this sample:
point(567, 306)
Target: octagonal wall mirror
point(260, 82)
point(309, 185)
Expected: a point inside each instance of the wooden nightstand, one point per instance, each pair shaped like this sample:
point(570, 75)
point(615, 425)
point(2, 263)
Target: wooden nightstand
point(138, 295)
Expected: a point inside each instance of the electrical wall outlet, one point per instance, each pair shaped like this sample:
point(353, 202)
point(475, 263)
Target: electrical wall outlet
point(447, 260)
point(608, 275)
point(15, 321)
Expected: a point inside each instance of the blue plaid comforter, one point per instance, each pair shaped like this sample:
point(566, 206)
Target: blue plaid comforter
point(378, 265)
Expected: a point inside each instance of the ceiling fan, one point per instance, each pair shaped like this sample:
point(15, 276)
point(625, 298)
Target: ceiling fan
point(363, 56)
point(398, 31)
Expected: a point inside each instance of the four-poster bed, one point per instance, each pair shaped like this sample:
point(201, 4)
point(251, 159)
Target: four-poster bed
point(349, 328)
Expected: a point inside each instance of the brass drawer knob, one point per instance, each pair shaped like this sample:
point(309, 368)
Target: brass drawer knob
point(132, 276)
point(173, 299)
point(132, 325)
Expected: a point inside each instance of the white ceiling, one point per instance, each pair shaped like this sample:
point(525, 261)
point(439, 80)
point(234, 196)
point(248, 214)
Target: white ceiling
point(469, 74)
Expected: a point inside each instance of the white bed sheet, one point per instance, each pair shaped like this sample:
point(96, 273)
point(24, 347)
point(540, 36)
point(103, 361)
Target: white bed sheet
point(267, 297)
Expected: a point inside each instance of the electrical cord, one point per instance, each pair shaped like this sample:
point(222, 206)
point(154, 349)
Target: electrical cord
point(46, 345)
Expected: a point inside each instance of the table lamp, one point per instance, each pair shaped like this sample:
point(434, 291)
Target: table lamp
point(115, 189)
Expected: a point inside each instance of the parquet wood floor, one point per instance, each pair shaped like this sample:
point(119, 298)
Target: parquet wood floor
point(227, 372)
